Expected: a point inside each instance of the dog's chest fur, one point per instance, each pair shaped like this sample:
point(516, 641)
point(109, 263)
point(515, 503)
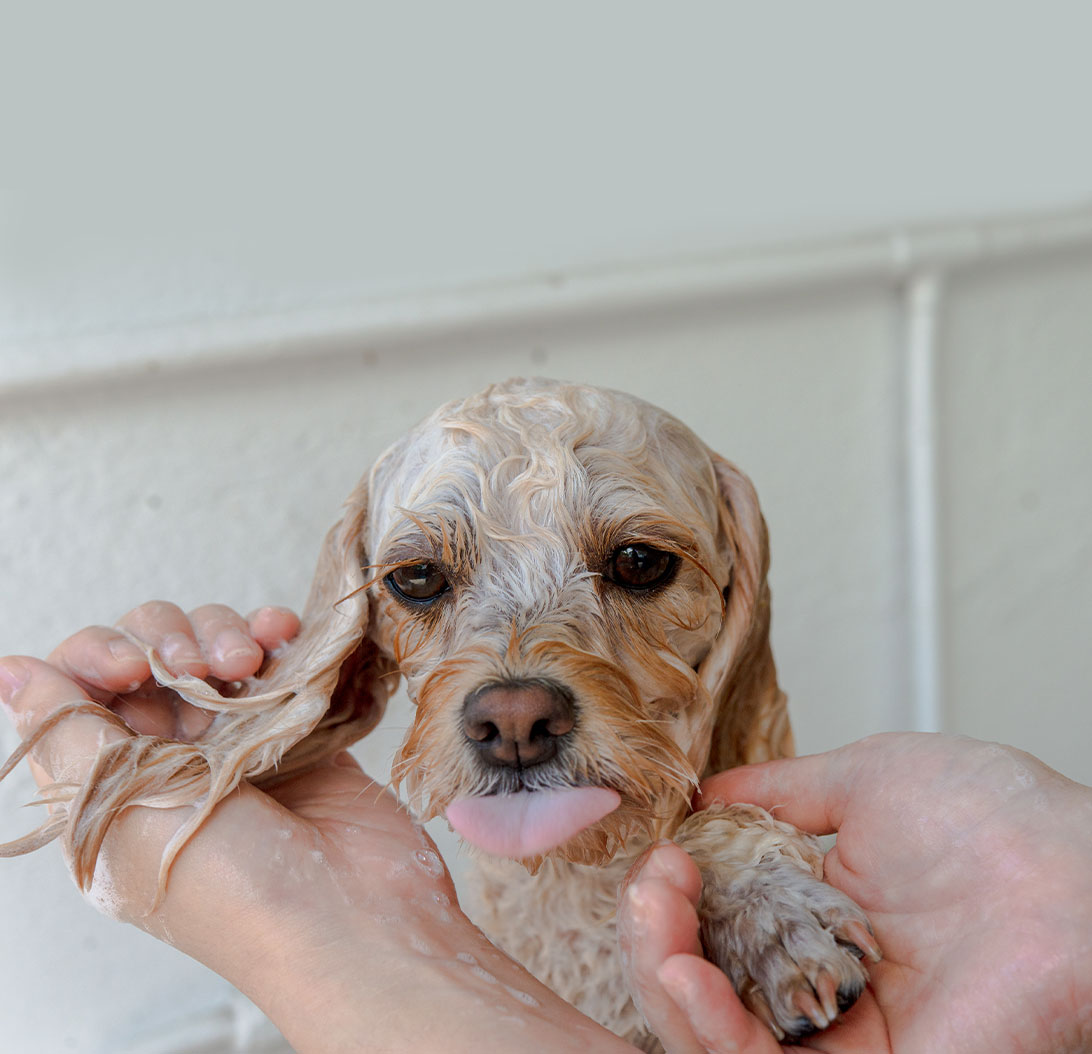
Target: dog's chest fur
point(560, 924)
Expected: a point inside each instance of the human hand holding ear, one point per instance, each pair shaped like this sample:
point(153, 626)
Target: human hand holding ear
point(319, 898)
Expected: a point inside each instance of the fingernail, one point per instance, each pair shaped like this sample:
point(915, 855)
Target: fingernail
point(655, 865)
point(125, 650)
point(230, 643)
point(676, 984)
point(178, 648)
point(13, 675)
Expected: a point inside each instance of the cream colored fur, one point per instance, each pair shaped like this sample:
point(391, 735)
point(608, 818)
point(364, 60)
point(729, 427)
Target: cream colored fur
point(521, 493)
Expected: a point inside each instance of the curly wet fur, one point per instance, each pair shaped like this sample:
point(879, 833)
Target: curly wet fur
point(520, 494)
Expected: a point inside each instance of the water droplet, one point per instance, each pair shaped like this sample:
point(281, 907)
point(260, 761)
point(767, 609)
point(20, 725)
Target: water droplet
point(466, 957)
point(389, 920)
point(485, 975)
point(429, 862)
point(524, 997)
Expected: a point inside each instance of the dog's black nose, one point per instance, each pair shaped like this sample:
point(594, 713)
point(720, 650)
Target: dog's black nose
point(517, 723)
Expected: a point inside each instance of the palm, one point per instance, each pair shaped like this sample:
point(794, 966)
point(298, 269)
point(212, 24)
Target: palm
point(947, 846)
point(948, 852)
point(348, 818)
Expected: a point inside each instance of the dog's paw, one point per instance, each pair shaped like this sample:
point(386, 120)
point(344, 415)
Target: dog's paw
point(792, 945)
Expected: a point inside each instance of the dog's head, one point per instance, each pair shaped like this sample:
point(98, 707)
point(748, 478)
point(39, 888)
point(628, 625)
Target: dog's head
point(574, 588)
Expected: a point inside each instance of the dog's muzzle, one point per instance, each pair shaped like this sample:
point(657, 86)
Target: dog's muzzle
point(514, 726)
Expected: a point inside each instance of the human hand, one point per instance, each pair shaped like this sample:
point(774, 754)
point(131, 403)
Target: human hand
point(974, 863)
point(320, 898)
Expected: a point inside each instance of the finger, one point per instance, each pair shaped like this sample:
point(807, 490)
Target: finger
point(101, 659)
point(152, 715)
point(111, 669)
point(225, 640)
point(656, 920)
point(810, 792)
point(33, 692)
point(668, 862)
point(713, 1013)
point(166, 628)
point(272, 627)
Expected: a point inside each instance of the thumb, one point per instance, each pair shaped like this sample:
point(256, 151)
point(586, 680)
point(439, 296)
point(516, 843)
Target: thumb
point(809, 792)
point(816, 792)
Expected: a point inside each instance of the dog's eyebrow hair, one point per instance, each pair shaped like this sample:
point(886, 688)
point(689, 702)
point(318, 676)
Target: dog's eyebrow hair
point(434, 532)
point(406, 545)
point(653, 525)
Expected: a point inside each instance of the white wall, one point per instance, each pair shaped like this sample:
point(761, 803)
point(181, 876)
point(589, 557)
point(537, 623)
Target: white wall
point(242, 249)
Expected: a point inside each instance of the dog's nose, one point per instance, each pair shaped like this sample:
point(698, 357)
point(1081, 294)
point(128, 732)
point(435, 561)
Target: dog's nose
point(519, 723)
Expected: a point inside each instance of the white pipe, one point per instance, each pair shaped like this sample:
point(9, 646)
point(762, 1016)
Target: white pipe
point(922, 303)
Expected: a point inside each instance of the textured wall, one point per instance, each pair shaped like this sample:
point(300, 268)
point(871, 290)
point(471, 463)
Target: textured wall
point(1016, 495)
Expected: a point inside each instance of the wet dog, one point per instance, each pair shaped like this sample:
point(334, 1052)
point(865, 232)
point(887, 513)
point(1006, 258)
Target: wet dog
point(573, 587)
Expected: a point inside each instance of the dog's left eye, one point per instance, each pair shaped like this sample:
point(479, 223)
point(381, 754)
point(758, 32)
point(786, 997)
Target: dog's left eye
point(423, 581)
point(640, 567)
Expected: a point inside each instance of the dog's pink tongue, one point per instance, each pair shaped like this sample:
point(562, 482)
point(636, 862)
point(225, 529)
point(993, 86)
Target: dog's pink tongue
point(529, 822)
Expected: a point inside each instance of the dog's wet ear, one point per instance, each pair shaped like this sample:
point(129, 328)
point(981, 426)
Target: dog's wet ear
point(751, 720)
point(332, 657)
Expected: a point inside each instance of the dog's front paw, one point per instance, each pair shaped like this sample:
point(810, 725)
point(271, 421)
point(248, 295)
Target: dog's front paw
point(792, 945)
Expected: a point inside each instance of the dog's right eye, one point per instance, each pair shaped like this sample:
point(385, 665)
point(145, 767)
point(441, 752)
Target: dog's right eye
point(641, 568)
point(420, 582)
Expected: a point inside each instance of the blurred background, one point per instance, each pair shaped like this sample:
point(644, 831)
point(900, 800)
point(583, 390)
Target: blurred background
point(243, 246)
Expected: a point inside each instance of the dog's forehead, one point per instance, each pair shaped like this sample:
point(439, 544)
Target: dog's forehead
point(537, 451)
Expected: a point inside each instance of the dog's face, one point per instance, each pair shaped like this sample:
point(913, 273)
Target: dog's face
point(552, 569)
point(574, 587)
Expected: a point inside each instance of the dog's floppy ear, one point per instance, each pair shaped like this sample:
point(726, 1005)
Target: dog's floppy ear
point(332, 658)
point(751, 721)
